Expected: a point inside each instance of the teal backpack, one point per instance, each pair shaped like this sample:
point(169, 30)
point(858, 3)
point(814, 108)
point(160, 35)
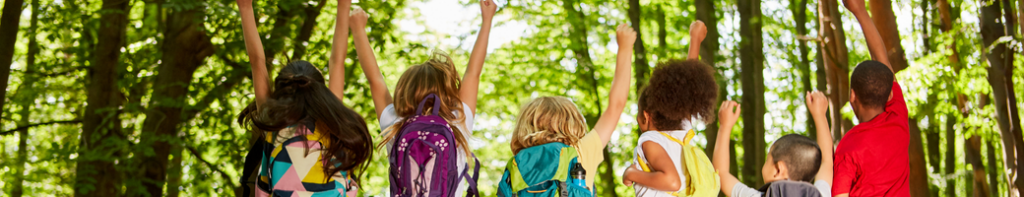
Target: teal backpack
point(541, 171)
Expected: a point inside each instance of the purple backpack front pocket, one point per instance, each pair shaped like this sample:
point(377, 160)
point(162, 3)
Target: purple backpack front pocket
point(424, 157)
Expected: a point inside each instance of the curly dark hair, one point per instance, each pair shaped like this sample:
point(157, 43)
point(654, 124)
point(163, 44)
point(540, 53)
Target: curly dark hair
point(679, 90)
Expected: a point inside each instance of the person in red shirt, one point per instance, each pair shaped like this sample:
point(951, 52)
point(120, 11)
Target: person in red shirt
point(872, 158)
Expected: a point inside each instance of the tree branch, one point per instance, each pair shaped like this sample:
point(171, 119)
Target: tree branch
point(219, 91)
point(51, 74)
point(212, 166)
point(8, 132)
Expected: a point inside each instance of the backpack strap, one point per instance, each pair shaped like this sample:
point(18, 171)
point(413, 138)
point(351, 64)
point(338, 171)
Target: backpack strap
point(563, 189)
point(473, 190)
point(437, 104)
point(685, 141)
point(252, 161)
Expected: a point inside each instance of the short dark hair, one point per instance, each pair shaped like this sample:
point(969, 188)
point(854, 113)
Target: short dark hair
point(872, 82)
point(801, 154)
point(679, 90)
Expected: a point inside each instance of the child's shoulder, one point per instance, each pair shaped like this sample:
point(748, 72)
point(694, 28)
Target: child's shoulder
point(661, 135)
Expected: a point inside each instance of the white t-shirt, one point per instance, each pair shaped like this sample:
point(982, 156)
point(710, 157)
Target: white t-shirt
point(674, 151)
point(389, 117)
point(741, 190)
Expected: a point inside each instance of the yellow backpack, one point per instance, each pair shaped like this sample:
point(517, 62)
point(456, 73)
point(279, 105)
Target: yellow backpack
point(702, 178)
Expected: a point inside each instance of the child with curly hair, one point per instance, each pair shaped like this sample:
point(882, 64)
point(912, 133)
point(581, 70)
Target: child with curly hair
point(678, 92)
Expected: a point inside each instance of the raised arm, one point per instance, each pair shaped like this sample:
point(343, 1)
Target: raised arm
point(471, 81)
point(338, 50)
point(378, 89)
point(871, 35)
point(817, 104)
point(605, 126)
point(697, 34)
point(254, 48)
point(728, 113)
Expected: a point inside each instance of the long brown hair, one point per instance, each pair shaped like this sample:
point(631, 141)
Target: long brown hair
point(436, 76)
point(300, 97)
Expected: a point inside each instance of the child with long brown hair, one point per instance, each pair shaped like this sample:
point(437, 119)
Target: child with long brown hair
point(311, 143)
point(437, 76)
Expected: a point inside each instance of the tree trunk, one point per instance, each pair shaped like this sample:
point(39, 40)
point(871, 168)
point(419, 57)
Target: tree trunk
point(933, 136)
point(26, 97)
point(918, 167)
point(175, 172)
point(993, 173)
point(883, 17)
point(640, 66)
point(972, 148)
point(278, 34)
point(950, 155)
point(663, 32)
point(102, 142)
point(799, 9)
point(9, 25)
point(185, 48)
point(734, 164)
point(1009, 21)
point(835, 58)
point(708, 52)
point(306, 31)
point(752, 79)
point(1002, 89)
point(586, 82)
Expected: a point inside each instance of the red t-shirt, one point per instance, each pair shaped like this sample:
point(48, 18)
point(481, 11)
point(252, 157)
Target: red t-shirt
point(872, 158)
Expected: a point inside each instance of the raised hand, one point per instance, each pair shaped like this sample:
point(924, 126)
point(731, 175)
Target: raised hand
point(625, 36)
point(698, 31)
point(358, 18)
point(854, 4)
point(817, 103)
point(245, 3)
point(488, 8)
point(728, 114)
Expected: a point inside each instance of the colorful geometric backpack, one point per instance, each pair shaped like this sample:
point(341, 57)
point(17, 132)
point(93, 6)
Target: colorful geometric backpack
point(424, 159)
point(541, 171)
point(702, 178)
point(292, 170)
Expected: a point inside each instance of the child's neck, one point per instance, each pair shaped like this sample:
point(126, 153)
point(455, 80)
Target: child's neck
point(685, 126)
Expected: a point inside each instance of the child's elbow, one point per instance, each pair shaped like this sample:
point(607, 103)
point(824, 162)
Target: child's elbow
point(673, 185)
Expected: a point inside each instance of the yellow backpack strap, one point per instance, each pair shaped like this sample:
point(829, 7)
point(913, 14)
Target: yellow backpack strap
point(684, 142)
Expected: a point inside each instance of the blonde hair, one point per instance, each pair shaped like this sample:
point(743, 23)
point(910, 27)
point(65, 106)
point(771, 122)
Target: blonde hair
point(548, 119)
point(435, 76)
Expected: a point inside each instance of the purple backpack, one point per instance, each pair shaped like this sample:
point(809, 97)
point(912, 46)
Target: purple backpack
point(424, 159)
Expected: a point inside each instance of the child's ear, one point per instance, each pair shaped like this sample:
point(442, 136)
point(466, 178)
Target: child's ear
point(647, 117)
point(781, 170)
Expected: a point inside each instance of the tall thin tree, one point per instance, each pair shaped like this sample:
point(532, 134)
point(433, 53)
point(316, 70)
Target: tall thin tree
point(185, 48)
point(834, 54)
point(100, 145)
point(752, 79)
point(26, 97)
point(9, 25)
point(999, 58)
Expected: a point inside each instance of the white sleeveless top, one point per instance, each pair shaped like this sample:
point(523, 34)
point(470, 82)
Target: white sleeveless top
point(674, 151)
